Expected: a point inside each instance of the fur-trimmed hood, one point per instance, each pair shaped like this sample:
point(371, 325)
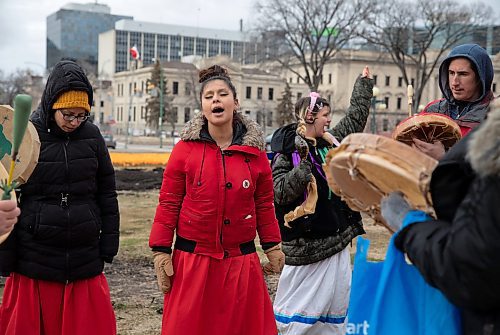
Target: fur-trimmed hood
point(484, 147)
point(250, 132)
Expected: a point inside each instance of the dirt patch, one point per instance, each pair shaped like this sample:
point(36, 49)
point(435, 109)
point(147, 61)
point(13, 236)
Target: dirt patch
point(138, 179)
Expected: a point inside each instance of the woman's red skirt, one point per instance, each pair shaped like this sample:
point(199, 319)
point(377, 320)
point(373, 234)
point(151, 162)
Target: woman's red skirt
point(217, 297)
point(38, 307)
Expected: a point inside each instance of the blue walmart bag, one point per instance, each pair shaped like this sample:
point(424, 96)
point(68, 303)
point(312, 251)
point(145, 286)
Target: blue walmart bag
point(392, 298)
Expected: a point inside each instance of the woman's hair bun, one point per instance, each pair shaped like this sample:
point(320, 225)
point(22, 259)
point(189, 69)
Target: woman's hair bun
point(212, 71)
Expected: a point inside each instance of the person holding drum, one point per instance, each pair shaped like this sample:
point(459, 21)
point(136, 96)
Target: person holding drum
point(465, 78)
point(216, 195)
point(459, 251)
point(314, 287)
point(8, 216)
point(69, 222)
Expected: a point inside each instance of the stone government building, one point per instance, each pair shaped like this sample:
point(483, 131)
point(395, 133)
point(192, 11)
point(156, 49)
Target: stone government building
point(120, 83)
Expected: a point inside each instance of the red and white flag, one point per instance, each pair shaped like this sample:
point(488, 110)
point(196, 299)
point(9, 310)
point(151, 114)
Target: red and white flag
point(134, 52)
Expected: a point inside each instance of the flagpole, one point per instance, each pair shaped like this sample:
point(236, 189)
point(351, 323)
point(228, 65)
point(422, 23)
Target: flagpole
point(134, 52)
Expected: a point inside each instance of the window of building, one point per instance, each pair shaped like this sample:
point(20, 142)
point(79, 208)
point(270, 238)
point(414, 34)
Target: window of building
point(299, 95)
point(175, 114)
point(247, 113)
point(387, 80)
point(398, 103)
point(187, 89)
point(375, 79)
point(259, 117)
point(412, 81)
point(187, 114)
point(188, 46)
point(298, 79)
point(175, 88)
point(290, 80)
point(175, 48)
point(400, 81)
point(271, 93)
point(259, 93)
point(269, 121)
point(494, 87)
point(249, 92)
point(213, 47)
point(386, 100)
point(329, 78)
point(321, 79)
point(201, 47)
point(225, 48)
point(133, 117)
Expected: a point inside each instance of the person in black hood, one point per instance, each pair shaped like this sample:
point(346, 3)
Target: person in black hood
point(314, 287)
point(69, 222)
point(465, 78)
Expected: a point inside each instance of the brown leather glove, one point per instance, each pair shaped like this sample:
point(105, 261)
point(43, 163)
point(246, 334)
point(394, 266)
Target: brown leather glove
point(276, 259)
point(163, 269)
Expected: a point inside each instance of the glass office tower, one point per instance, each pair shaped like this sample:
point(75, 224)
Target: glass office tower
point(73, 31)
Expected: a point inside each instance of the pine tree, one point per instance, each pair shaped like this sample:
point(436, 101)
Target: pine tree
point(284, 110)
point(156, 92)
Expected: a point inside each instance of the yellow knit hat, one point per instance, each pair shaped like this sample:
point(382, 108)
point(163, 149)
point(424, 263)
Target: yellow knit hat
point(73, 99)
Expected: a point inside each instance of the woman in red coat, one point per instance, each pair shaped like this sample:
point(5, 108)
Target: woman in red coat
point(217, 192)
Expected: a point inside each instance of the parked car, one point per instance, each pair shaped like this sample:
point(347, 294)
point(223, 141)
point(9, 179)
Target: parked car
point(269, 153)
point(109, 140)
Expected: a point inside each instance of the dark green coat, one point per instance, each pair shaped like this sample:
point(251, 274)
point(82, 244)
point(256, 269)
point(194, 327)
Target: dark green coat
point(333, 225)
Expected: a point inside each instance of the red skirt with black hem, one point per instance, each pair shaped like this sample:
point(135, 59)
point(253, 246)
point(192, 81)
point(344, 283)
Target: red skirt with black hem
point(217, 296)
point(39, 307)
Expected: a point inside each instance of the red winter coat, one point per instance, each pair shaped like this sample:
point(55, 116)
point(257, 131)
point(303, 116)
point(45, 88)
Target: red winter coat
point(218, 199)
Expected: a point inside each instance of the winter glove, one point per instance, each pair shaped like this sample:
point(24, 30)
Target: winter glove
point(305, 168)
point(163, 269)
point(276, 259)
point(394, 208)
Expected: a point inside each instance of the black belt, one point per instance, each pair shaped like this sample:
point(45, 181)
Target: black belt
point(64, 199)
point(184, 244)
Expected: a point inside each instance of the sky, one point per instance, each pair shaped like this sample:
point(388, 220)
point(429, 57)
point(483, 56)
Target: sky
point(23, 22)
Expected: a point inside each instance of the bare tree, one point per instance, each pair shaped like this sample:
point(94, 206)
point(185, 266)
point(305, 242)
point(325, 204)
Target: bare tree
point(417, 33)
point(285, 108)
point(302, 35)
point(13, 84)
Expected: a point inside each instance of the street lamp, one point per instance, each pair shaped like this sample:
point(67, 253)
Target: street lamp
point(381, 103)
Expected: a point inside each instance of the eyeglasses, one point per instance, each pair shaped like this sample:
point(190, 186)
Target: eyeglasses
point(71, 117)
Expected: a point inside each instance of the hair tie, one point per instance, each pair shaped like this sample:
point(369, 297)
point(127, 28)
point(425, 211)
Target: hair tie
point(314, 96)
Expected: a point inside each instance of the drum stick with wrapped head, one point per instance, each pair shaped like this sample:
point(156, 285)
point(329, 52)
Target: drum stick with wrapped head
point(22, 111)
point(410, 99)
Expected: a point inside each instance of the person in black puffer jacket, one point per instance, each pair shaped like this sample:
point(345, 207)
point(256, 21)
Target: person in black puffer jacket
point(69, 222)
